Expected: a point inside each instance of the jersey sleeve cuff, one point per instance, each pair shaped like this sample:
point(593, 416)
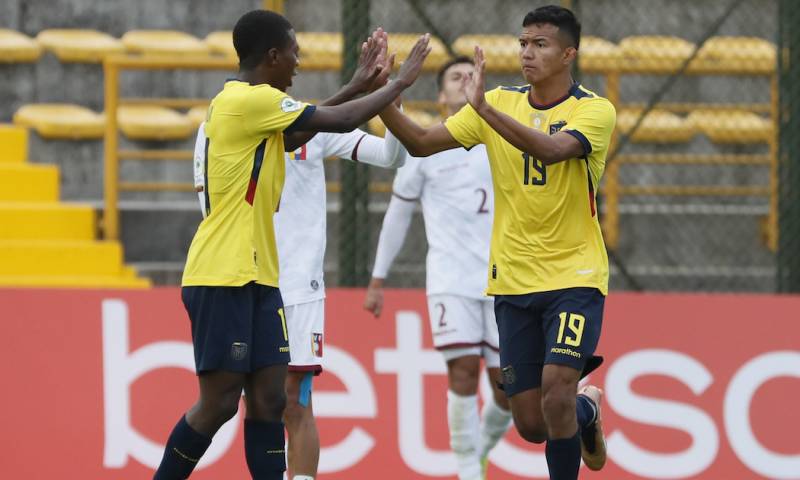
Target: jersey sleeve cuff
point(405, 198)
point(587, 147)
point(301, 119)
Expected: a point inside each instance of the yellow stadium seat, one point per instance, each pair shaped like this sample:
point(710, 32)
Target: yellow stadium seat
point(13, 144)
point(597, 54)
point(402, 43)
point(735, 55)
point(422, 118)
point(221, 43)
point(60, 257)
point(737, 127)
point(39, 221)
point(163, 42)
point(501, 51)
point(320, 50)
point(61, 121)
point(653, 54)
point(16, 47)
point(197, 115)
point(148, 122)
point(28, 183)
point(78, 45)
point(657, 127)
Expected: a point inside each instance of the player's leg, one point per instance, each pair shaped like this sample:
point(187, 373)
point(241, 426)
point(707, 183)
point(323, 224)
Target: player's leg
point(220, 333)
point(496, 413)
point(265, 394)
point(572, 321)
point(521, 357)
point(457, 334)
point(305, 323)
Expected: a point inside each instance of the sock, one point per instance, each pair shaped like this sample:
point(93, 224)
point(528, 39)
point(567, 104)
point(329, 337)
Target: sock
point(587, 414)
point(264, 449)
point(302, 477)
point(464, 423)
point(184, 448)
point(494, 424)
point(563, 458)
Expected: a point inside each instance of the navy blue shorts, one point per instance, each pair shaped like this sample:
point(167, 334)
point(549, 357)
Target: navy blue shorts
point(237, 329)
point(559, 327)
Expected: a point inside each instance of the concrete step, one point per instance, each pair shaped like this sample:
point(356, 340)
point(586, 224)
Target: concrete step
point(46, 221)
point(60, 258)
point(28, 183)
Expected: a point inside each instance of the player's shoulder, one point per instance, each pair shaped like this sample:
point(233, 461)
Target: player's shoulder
point(584, 96)
point(510, 91)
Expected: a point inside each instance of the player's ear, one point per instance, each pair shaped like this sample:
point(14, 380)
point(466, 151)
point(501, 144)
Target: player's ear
point(570, 53)
point(272, 56)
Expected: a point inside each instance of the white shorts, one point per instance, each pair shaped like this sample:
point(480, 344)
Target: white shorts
point(464, 326)
point(306, 325)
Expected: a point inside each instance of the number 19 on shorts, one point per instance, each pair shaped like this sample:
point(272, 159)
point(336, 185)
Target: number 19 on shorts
point(574, 323)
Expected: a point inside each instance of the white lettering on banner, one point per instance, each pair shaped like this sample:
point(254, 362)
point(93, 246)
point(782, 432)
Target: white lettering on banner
point(121, 368)
point(650, 411)
point(738, 398)
point(411, 362)
point(357, 401)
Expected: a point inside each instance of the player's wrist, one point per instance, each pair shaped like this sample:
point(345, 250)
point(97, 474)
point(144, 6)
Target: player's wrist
point(376, 282)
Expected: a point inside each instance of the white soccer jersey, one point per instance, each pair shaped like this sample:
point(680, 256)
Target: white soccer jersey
point(455, 189)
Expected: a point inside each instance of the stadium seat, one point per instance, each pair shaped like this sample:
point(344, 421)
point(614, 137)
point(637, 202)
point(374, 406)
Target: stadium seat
point(735, 55)
point(16, 47)
point(401, 44)
point(221, 43)
point(425, 119)
point(738, 127)
point(658, 126)
point(197, 115)
point(46, 221)
point(61, 121)
point(163, 42)
point(28, 183)
point(597, 54)
point(14, 144)
point(147, 122)
point(653, 54)
point(78, 45)
point(501, 51)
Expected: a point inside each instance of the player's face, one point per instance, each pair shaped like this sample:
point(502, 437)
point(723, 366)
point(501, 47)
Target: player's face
point(452, 95)
point(288, 60)
point(543, 53)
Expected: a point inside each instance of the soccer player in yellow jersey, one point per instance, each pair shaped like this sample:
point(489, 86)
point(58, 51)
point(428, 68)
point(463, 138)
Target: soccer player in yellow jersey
point(230, 283)
point(548, 270)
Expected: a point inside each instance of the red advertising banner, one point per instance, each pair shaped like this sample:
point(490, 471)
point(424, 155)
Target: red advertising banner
point(697, 387)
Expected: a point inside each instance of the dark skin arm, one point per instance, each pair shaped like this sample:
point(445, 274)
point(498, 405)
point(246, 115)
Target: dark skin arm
point(349, 115)
point(370, 70)
point(419, 141)
point(548, 149)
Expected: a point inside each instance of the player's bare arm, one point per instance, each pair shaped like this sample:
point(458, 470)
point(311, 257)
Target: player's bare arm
point(349, 115)
point(549, 149)
point(419, 141)
point(369, 72)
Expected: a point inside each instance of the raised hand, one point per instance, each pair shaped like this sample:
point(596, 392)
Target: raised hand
point(410, 69)
point(371, 62)
point(473, 87)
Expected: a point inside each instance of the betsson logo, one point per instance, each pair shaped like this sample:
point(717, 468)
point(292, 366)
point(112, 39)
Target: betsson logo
point(410, 362)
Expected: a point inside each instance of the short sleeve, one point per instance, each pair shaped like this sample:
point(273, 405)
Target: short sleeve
point(341, 145)
point(592, 123)
point(269, 110)
point(466, 126)
point(409, 181)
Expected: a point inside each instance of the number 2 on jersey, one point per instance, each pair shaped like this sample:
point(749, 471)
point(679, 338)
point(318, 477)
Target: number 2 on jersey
point(484, 196)
point(540, 175)
point(575, 325)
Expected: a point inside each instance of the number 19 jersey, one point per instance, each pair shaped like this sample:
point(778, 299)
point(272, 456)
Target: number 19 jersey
point(546, 234)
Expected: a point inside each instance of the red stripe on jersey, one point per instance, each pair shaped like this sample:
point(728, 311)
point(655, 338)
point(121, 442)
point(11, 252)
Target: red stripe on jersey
point(302, 153)
point(591, 201)
point(251, 191)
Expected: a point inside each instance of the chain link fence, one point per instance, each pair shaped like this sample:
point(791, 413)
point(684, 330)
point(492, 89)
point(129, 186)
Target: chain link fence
point(699, 192)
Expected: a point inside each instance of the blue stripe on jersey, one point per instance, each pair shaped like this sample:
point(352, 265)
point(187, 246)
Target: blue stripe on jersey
point(205, 179)
point(587, 146)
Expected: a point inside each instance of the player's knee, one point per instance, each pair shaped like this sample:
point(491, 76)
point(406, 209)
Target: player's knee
point(222, 408)
point(531, 431)
point(558, 403)
point(267, 404)
point(463, 375)
point(294, 413)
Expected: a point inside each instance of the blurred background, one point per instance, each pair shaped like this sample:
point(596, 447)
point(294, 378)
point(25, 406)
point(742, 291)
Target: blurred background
point(100, 102)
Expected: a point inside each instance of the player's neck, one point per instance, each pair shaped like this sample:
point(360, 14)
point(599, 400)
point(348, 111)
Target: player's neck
point(552, 89)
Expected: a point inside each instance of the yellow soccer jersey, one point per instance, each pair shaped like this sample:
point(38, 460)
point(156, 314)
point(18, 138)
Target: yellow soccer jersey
point(545, 235)
point(245, 169)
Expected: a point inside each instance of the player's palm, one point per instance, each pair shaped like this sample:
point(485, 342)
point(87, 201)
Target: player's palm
point(371, 61)
point(410, 69)
point(474, 86)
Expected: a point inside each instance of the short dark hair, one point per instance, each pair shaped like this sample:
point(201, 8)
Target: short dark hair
point(561, 17)
point(450, 63)
point(256, 33)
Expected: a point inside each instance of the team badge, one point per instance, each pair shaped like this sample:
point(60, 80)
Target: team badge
point(314, 285)
point(289, 104)
point(537, 120)
point(555, 127)
point(316, 344)
point(509, 376)
point(238, 350)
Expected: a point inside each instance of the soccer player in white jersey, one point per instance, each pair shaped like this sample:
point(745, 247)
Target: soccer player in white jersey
point(455, 189)
point(300, 232)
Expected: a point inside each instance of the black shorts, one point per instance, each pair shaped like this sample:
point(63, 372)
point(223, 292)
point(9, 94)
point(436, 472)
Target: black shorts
point(557, 327)
point(237, 329)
